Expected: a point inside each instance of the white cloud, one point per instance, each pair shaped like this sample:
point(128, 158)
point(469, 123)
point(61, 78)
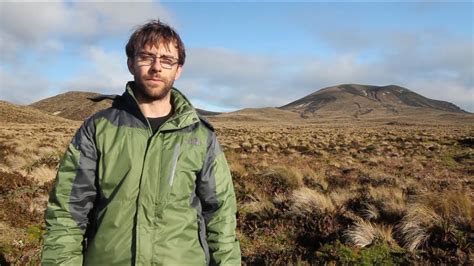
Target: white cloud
point(35, 35)
point(29, 25)
point(229, 79)
point(106, 73)
point(22, 87)
point(436, 64)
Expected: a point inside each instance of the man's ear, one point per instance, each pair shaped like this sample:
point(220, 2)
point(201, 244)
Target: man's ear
point(178, 72)
point(130, 65)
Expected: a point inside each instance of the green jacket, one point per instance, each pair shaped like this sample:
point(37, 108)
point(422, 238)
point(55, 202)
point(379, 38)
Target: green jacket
point(124, 196)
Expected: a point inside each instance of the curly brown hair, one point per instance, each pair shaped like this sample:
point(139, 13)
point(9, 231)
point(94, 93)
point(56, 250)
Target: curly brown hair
point(152, 33)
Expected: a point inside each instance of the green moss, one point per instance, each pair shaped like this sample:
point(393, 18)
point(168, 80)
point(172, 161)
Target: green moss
point(379, 254)
point(448, 160)
point(376, 255)
point(337, 252)
point(35, 233)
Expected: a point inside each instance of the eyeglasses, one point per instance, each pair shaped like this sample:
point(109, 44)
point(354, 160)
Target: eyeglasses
point(166, 62)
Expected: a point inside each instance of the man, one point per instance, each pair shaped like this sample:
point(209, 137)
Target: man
point(144, 182)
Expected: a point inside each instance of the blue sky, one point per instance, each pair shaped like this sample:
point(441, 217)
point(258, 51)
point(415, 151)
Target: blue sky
point(243, 54)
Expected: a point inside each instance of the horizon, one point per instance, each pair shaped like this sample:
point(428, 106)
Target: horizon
point(252, 107)
point(243, 55)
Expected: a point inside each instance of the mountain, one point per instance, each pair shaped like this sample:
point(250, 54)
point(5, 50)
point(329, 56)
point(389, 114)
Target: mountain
point(207, 113)
point(367, 101)
point(266, 114)
point(73, 105)
point(12, 113)
point(76, 105)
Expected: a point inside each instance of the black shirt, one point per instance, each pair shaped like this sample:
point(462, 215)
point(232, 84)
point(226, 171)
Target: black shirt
point(156, 122)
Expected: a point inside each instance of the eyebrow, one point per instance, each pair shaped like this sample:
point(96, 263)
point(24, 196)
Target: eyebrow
point(161, 56)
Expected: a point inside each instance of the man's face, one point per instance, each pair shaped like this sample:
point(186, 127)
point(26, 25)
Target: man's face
point(154, 81)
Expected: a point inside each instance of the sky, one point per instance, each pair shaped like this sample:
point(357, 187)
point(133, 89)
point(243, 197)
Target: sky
point(240, 55)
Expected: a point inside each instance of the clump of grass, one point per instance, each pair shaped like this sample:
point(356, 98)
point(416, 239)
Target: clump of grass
point(314, 180)
point(306, 200)
point(237, 169)
point(370, 212)
point(43, 174)
point(286, 176)
point(261, 205)
point(415, 227)
point(448, 160)
point(364, 233)
point(393, 202)
point(438, 220)
point(341, 197)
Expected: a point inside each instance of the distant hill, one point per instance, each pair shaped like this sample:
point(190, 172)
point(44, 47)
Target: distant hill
point(76, 105)
point(256, 115)
point(367, 101)
point(73, 105)
point(207, 113)
point(12, 113)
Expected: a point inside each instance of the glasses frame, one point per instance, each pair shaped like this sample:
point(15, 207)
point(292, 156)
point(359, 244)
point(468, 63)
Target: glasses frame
point(154, 58)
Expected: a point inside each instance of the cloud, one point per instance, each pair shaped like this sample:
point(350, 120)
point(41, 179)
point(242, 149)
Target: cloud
point(229, 79)
point(106, 73)
point(26, 25)
point(23, 87)
point(35, 36)
point(435, 63)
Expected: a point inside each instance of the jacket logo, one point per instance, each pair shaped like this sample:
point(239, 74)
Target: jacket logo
point(194, 141)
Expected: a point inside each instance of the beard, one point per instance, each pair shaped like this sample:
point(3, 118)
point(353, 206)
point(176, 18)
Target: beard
point(149, 93)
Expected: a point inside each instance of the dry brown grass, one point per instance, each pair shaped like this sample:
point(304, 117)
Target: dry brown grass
point(415, 227)
point(43, 174)
point(306, 200)
point(286, 175)
point(300, 186)
point(438, 218)
point(364, 233)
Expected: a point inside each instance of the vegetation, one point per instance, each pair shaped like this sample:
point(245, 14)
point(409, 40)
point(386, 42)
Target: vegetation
point(307, 194)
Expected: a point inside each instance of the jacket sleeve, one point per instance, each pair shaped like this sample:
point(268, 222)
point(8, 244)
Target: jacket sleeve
point(217, 196)
point(70, 201)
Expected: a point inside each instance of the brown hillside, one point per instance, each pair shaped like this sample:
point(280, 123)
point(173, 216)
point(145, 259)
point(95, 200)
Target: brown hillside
point(72, 105)
point(76, 105)
point(12, 113)
point(365, 101)
point(268, 114)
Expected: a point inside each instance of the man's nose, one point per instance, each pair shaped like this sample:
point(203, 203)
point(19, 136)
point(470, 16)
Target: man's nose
point(156, 65)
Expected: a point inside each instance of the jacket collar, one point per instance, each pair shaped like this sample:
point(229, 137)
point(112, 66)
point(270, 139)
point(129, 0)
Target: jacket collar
point(184, 113)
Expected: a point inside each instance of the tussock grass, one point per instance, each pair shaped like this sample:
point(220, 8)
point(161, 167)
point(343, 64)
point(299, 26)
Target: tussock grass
point(416, 226)
point(43, 174)
point(340, 197)
point(259, 203)
point(454, 206)
point(306, 200)
point(370, 212)
point(280, 198)
point(17, 162)
point(364, 233)
point(292, 202)
point(288, 176)
point(393, 200)
point(313, 179)
point(438, 219)
point(237, 169)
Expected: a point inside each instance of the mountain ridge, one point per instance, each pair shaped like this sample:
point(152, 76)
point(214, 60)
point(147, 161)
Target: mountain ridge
point(78, 105)
point(358, 100)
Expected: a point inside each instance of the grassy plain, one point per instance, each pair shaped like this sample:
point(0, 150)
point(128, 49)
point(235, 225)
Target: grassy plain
point(308, 193)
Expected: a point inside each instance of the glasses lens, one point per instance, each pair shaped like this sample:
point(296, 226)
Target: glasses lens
point(145, 59)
